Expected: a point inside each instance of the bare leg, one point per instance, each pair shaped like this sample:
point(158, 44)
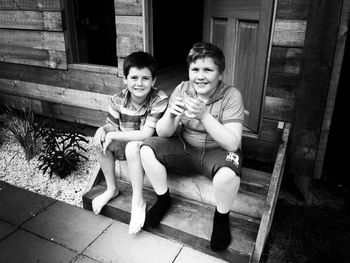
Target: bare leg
point(155, 171)
point(226, 184)
point(135, 171)
point(157, 175)
point(107, 165)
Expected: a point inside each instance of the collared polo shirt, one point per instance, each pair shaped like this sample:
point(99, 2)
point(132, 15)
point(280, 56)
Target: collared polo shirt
point(124, 117)
point(225, 105)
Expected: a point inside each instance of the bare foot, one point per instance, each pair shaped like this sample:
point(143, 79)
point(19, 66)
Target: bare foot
point(138, 215)
point(100, 201)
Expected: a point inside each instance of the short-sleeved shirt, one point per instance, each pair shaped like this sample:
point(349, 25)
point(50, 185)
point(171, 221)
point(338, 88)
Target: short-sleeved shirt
point(225, 105)
point(124, 117)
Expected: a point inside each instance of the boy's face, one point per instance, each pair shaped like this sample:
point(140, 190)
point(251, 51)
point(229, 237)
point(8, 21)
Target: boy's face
point(139, 82)
point(204, 76)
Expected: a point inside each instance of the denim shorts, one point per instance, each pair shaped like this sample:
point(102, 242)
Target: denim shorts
point(179, 157)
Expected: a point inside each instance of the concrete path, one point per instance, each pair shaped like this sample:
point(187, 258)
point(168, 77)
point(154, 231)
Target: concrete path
point(35, 228)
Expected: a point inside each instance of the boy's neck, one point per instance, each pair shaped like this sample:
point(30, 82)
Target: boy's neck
point(137, 102)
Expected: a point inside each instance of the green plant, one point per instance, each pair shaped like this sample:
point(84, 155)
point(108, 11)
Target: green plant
point(61, 152)
point(25, 130)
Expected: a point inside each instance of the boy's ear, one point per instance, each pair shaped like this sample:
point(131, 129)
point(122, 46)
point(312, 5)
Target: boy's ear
point(154, 81)
point(125, 80)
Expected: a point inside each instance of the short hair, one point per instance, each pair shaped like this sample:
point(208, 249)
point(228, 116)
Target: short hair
point(204, 50)
point(140, 60)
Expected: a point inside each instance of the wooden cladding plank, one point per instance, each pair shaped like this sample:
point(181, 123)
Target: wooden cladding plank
point(293, 9)
point(73, 78)
point(60, 111)
point(35, 57)
point(290, 33)
point(32, 20)
point(51, 5)
point(129, 34)
point(258, 150)
point(78, 98)
point(279, 108)
point(33, 39)
point(270, 131)
point(128, 7)
point(286, 60)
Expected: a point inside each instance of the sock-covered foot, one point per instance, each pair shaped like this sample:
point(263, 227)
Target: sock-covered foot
point(221, 236)
point(100, 201)
point(157, 212)
point(137, 220)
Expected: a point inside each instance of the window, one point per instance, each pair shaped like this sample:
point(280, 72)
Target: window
point(91, 32)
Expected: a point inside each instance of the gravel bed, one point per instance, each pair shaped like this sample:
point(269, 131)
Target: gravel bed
point(15, 170)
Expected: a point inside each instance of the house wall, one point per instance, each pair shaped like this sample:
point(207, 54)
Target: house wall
point(34, 71)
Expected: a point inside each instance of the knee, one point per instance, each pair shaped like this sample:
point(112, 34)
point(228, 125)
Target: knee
point(226, 177)
point(132, 150)
point(146, 153)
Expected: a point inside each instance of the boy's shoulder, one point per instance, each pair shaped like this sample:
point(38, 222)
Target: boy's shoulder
point(119, 97)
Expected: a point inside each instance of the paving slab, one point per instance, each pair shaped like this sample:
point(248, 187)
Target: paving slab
point(6, 229)
point(117, 245)
point(84, 259)
point(18, 205)
point(22, 246)
point(190, 255)
point(68, 225)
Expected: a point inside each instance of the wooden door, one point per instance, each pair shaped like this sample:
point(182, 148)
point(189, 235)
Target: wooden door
point(241, 28)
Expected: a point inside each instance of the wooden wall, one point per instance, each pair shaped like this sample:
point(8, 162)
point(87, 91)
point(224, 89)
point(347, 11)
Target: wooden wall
point(32, 34)
point(34, 71)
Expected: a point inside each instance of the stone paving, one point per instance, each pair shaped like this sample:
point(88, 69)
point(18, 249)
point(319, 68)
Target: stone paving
point(35, 228)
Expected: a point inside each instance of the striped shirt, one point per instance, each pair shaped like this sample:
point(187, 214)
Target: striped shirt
point(124, 117)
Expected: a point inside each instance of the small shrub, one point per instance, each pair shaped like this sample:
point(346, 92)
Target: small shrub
point(61, 151)
point(25, 130)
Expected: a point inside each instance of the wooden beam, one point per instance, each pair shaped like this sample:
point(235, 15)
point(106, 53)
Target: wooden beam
point(290, 33)
point(50, 5)
point(293, 9)
point(34, 57)
point(129, 7)
point(286, 60)
point(272, 196)
point(33, 39)
point(129, 34)
point(77, 98)
point(333, 87)
point(32, 20)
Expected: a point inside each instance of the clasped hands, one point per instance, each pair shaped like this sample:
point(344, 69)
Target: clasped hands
point(191, 107)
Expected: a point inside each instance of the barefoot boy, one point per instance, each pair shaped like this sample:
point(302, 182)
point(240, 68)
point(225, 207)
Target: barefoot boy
point(211, 114)
point(132, 117)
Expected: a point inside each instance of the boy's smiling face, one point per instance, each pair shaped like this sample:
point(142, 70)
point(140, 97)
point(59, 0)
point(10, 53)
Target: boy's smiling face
point(204, 76)
point(139, 82)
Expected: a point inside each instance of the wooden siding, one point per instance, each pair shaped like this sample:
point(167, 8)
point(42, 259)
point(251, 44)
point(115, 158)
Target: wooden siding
point(32, 33)
point(33, 40)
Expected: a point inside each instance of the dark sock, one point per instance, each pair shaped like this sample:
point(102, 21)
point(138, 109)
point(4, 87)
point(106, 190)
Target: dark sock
point(221, 236)
point(157, 212)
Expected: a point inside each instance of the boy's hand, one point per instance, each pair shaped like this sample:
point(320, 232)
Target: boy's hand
point(195, 108)
point(99, 138)
point(107, 141)
point(177, 107)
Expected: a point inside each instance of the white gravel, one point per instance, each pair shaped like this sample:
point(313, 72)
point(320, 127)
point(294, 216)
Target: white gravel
point(15, 170)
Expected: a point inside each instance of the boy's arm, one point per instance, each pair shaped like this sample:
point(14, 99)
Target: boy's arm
point(228, 135)
point(168, 124)
point(136, 135)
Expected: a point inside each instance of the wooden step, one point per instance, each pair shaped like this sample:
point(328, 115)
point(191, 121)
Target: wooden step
point(251, 199)
point(188, 222)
